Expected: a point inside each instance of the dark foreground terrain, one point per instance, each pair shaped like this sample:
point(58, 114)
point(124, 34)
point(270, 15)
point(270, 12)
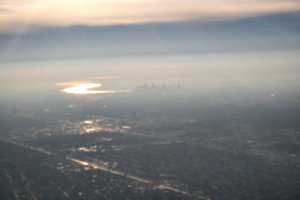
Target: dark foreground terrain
point(155, 143)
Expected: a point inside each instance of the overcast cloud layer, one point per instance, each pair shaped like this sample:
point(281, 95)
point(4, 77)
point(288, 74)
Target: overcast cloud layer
point(27, 15)
point(267, 33)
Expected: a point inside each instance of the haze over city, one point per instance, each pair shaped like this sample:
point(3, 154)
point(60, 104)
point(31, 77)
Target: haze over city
point(160, 99)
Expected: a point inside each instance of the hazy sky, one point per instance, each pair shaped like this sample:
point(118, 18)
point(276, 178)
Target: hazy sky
point(192, 41)
point(23, 15)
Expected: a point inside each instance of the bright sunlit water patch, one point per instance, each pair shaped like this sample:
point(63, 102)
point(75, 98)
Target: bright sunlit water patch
point(83, 88)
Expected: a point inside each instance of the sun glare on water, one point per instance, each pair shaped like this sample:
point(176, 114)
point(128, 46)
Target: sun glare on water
point(83, 88)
